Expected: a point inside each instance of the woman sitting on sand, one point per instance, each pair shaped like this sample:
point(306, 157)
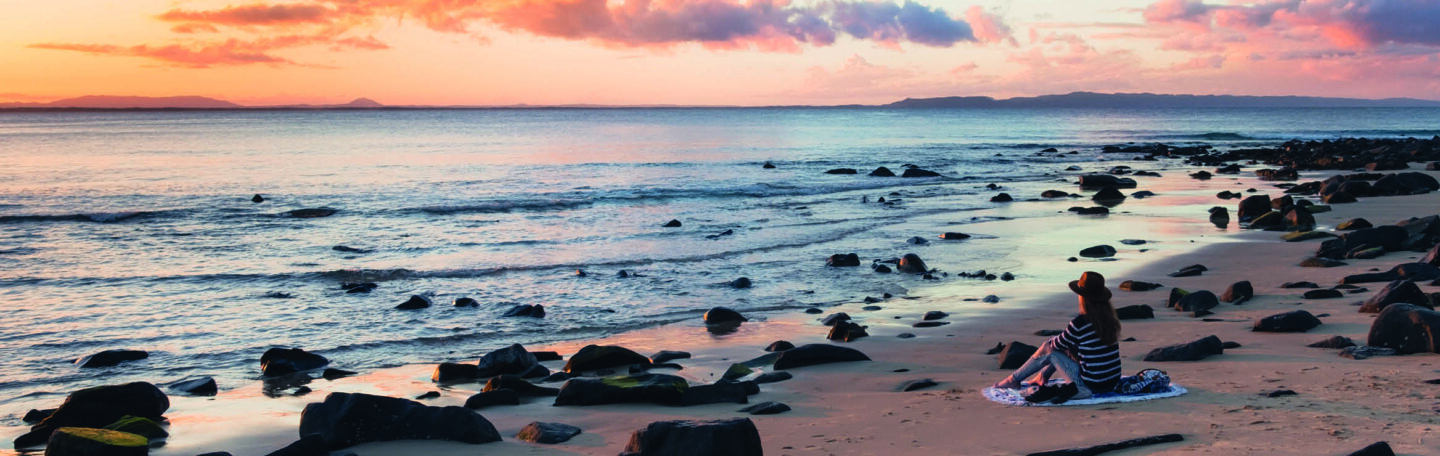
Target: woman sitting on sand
point(1086, 355)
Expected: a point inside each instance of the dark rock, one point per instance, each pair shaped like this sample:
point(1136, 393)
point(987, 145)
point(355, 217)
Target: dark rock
point(1230, 345)
point(332, 374)
point(35, 416)
point(813, 354)
point(768, 165)
point(772, 377)
point(1189, 271)
point(1108, 194)
point(1201, 175)
point(1015, 354)
point(1299, 218)
point(519, 385)
point(846, 331)
point(673, 223)
point(1007, 277)
point(492, 398)
point(668, 355)
point(1238, 292)
point(882, 172)
point(427, 395)
point(934, 315)
point(348, 419)
point(991, 299)
point(718, 393)
point(1396, 292)
point(365, 287)
point(743, 282)
point(929, 324)
point(1135, 312)
point(257, 198)
point(1293, 321)
point(835, 318)
point(451, 372)
point(596, 357)
point(110, 358)
point(999, 347)
point(1132, 285)
point(920, 384)
point(1197, 301)
point(143, 427)
point(543, 356)
point(282, 361)
point(97, 407)
point(649, 387)
point(814, 311)
point(512, 360)
point(1099, 251)
point(311, 213)
point(310, 445)
point(1360, 352)
point(1317, 262)
point(547, 433)
point(1375, 449)
point(1252, 207)
point(1299, 285)
point(466, 302)
point(917, 172)
point(1280, 393)
point(766, 408)
point(1411, 271)
point(912, 264)
point(843, 260)
point(1323, 294)
point(1300, 236)
point(1048, 332)
point(415, 302)
point(1354, 224)
point(881, 269)
point(736, 436)
point(1336, 342)
point(1190, 351)
point(349, 249)
point(1002, 198)
point(202, 386)
point(1090, 210)
point(722, 315)
point(1406, 328)
point(1054, 194)
point(526, 310)
point(1098, 181)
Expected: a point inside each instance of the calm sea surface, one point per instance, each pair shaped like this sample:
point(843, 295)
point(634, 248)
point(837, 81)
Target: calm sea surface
point(136, 230)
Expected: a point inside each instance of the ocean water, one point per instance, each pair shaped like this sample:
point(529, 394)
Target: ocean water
point(136, 230)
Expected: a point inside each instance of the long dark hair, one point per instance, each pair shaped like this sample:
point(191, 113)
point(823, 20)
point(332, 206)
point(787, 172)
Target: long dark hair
point(1102, 317)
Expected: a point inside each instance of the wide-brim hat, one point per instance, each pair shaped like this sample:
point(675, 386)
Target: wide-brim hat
point(1091, 285)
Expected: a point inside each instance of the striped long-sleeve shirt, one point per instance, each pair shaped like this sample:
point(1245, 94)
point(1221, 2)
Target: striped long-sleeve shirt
point(1099, 363)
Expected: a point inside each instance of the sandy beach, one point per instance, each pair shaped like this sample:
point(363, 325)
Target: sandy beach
point(1340, 405)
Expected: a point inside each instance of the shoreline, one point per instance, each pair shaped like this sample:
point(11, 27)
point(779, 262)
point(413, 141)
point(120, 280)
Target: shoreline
point(852, 408)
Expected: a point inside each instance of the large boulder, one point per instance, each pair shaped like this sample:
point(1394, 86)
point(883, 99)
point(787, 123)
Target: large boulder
point(74, 441)
point(728, 437)
point(723, 315)
point(596, 357)
point(347, 419)
point(97, 407)
point(1406, 328)
point(719, 393)
point(1292, 321)
point(1015, 354)
point(813, 354)
point(414, 303)
point(514, 360)
point(1252, 207)
point(283, 361)
point(1190, 351)
point(648, 387)
point(1399, 291)
point(452, 372)
point(912, 264)
point(1391, 237)
point(109, 358)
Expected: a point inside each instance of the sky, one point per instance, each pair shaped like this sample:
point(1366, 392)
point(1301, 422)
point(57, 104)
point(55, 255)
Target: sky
point(711, 52)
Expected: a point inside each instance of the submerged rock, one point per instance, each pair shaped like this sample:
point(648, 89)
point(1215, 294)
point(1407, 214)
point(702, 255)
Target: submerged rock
point(110, 358)
point(526, 310)
point(202, 386)
point(415, 302)
point(282, 361)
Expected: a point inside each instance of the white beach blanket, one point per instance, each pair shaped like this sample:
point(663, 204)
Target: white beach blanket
point(1016, 397)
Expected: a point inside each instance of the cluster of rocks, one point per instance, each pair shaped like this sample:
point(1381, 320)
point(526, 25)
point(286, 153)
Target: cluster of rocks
point(909, 171)
point(1347, 153)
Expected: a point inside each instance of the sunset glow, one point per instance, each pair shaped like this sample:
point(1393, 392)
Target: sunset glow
point(712, 52)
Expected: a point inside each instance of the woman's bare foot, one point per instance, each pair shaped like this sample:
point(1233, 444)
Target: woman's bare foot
point(1008, 383)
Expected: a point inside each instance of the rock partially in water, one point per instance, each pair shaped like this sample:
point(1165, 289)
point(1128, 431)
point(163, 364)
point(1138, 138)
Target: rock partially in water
point(722, 315)
point(843, 260)
point(110, 358)
point(414, 303)
point(526, 310)
point(311, 213)
point(1099, 251)
point(201, 386)
point(673, 223)
point(466, 302)
point(512, 360)
point(283, 361)
point(97, 407)
point(912, 264)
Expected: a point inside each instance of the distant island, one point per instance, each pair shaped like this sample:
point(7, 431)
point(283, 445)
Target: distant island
point(1069, 100)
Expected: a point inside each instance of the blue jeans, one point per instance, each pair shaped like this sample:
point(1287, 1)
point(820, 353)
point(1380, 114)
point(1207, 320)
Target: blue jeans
point(1047, 362)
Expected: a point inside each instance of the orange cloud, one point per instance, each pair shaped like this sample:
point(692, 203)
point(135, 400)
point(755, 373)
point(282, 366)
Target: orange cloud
point(257, 14)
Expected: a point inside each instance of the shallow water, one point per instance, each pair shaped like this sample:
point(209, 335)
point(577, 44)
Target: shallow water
point(135, 230)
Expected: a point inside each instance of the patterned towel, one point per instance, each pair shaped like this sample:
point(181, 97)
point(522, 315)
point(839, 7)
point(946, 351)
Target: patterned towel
point(1016, 397)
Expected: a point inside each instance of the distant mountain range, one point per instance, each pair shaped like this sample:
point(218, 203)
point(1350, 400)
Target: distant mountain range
point(1151, 100)
point(1069, 100)
point(190, 102)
